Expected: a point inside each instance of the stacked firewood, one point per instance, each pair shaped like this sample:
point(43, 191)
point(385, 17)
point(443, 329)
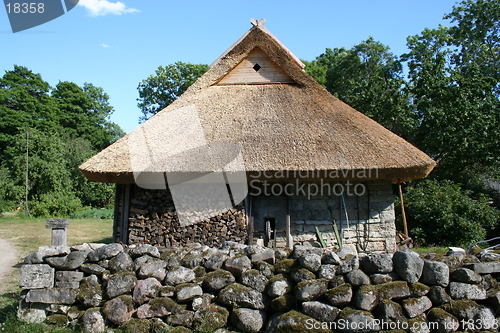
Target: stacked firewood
point(153, 220)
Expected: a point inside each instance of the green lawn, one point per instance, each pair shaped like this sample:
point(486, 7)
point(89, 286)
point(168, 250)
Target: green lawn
point(27, 234)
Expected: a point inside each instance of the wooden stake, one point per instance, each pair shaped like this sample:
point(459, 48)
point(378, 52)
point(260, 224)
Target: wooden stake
point(405, 225)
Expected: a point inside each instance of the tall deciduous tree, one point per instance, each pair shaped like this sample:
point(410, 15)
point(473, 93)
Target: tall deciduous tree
point(454, 82)
point(369, 78)
point(166, 85)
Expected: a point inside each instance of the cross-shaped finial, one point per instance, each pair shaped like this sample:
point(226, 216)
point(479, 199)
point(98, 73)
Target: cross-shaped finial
point(256, 23)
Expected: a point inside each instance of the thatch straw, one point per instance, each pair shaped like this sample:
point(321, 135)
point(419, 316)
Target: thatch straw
point(278, 126)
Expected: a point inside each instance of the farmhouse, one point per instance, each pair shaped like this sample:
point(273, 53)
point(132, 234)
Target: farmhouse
point(257, 151)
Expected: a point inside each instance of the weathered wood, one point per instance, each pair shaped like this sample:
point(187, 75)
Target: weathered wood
point(256, 68)
point(58, 227)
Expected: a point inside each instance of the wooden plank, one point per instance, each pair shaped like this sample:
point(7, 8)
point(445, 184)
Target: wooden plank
point(125, 212)
point(117, 214)
point(267, 72)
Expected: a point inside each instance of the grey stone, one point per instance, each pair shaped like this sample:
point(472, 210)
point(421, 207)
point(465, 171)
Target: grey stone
point(348, 265)
point(93, 322)
point(365, 298)
point(51, 295)
point(119, 310)
point(153, 268)
point(445, 321)
point(377, 263)
point(355, 319)
point(254, 279)
point(231, 245)
point(389, 311)
point(248, 320)
point(494, 301)
point(92, 269)
point(71, 261)
point(178, 275)
point(193, 259)
point(435, 273)
point(143, 249)
point(347, 250)
point(418, 289)
point(265, 269)
point(383, 278)
point(238, 265)
point(339, 296)
point(393, 290)
point(215, 262)
point(286, 266)
point(188, 291)
point(416, 306)
point(65, 284)
point(311, 262)
point(485, 267)
point(81, 247)
point(53, 251)
point(465, 275)
point(327, 272)
point(32, 313)
point(148, 311)
point(36, 276)
point(294, 321)
point(34, 258)
point(267, 255)
point(438, 296)
point(331, 258)
point(181, 318)
point(201, 303)
point(67, 276)
point(120, 283)
point(459, 290)
point(105, 252)
point(145, 290)
point(90, 292)
point(462, 309)
point(320, 311)
point(217, 280)
point(240, 296)
point(310, 290)
point(302, 274)
point(357, 278)
point(279, 285)
point(408, 265)
point(486, 316)
point(299, 250)
point(121, 263)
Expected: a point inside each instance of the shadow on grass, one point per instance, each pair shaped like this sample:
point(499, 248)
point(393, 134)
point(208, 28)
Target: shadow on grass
point(107, 240)
point(8, 305)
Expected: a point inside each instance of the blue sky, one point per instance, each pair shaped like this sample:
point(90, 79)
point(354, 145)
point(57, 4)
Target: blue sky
point(115, 45)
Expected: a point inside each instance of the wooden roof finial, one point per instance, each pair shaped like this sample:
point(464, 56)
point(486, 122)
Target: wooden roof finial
point(258, 23)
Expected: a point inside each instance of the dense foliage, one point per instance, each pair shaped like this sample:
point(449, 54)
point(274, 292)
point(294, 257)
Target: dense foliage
point(47, 133)
point(440, 212)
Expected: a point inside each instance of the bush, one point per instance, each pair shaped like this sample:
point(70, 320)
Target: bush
point(54, 205)
point(93, 213)
point(440, 212)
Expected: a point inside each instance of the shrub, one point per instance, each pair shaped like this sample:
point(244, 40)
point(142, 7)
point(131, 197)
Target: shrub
point(93, 213)
point(54, 204)
point(440, 212)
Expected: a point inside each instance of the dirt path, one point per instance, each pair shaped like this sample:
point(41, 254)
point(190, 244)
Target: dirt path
point(8, 257)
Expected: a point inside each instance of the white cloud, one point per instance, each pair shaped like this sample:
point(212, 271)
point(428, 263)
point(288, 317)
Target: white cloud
point(105, 45)
point(105, 7)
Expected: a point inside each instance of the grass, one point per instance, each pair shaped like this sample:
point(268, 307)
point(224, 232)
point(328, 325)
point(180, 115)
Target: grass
point(26, 235)
point(431, 249)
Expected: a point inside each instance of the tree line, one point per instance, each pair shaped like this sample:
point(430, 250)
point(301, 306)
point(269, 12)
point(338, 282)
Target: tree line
point(45, 134)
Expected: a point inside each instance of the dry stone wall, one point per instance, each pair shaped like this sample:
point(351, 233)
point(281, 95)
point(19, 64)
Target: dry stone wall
point(240, 288)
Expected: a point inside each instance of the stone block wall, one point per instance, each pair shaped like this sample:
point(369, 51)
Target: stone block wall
point(251, 288)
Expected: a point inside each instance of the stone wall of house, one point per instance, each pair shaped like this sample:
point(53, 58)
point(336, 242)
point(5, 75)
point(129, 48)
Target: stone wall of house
point(251, 288)
point(364, 219)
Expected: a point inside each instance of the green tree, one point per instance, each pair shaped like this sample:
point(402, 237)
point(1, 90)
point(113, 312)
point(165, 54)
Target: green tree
point(369, 78)
point(166, 85)
point(24, 103)
point(454, 85)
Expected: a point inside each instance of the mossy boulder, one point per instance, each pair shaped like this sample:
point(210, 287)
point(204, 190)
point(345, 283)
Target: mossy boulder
point(339, 296)
point(296, 322)
point(286, 266)
point(284, 303)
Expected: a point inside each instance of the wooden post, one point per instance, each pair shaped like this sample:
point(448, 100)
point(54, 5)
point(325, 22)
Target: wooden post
point(405, 225)
point(289, 239)
point(58, 227)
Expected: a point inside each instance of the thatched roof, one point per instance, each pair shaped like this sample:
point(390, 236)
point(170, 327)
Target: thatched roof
point(278, 126)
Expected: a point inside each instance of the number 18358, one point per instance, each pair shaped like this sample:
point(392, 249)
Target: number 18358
point(25, 8)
